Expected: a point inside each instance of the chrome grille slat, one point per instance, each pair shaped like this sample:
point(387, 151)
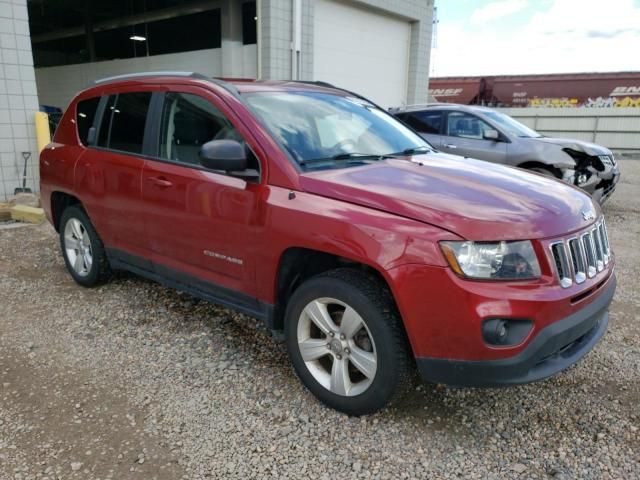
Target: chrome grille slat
point(598, 246)
point(578, 261)
point(583, 256)
point(603, 243)
point(590, 254)
point(562, 264)
point(606, 236)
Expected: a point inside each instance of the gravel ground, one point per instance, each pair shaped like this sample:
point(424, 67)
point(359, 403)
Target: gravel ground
point(132, 380)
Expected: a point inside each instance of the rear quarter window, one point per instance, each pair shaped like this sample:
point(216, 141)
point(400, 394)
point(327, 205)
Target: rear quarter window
point(124, 122)
point(85, 116)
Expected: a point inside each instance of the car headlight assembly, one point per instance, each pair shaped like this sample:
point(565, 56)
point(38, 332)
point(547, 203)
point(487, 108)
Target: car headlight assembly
point(492, 260)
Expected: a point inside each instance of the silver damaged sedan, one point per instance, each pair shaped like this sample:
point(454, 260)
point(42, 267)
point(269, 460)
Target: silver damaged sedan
point(486, 134)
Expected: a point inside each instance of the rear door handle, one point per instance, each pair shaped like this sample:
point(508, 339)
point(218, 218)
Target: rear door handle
point(449, 145)
point(160, 182)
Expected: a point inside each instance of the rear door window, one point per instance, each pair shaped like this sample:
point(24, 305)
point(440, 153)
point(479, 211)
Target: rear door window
point(424, 122)
point(124, 122)
point(85, 116)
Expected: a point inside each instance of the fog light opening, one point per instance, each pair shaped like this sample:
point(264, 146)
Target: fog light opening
point(501, 330)
point(505, 332)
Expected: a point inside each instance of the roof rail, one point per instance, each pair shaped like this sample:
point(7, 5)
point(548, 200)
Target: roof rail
point(133, 76)
point(229, 87)
point(426, 104)
point(418, 106)
point(318, 83)
point(198, 76)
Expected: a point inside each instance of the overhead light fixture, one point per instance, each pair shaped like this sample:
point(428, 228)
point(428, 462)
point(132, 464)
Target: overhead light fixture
point(138, 38)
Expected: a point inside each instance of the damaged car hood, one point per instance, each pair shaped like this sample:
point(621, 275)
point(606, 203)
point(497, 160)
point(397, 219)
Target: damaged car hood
point(577, 145)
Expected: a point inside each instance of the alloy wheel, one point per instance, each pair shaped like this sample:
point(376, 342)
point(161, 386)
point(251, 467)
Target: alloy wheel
point(337, 347)
point(77, 245)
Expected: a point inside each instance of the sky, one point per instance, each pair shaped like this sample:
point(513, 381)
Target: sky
point(492, 37)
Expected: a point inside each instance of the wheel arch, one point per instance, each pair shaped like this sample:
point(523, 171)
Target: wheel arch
point(297, 264)
point(59, 202)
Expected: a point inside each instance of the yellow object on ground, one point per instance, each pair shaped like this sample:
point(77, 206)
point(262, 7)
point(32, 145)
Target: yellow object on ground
point(43, 134)
point(23, 213)
point(5, 212)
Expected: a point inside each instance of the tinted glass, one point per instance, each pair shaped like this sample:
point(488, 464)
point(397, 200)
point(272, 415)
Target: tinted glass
point(249, 23)
point(85, 115)
point(466, 125)
point(188, 122)
point(424, 122)
point(127, 118)
point(105, 124)
point(317, 126)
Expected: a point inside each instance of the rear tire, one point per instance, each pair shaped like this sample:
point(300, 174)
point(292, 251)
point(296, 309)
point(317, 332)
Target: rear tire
point(347, 342)
point(82, 249)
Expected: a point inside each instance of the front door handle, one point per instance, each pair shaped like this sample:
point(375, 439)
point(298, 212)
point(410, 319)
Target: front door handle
point(161, 182)
point(449, 145)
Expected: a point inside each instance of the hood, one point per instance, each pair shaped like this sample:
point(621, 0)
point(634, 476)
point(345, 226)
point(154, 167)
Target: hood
point(476, 200)
point(577, 145)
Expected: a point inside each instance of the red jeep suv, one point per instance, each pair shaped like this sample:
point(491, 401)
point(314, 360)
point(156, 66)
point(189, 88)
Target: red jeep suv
point(314, 210)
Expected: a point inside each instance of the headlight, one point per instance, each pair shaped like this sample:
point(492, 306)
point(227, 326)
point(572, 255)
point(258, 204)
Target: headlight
point(607, 159)
point(492, 260)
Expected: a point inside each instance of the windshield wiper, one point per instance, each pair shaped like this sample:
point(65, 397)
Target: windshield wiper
point(345, 156)
point(350, 156)
point(368, 156)
point(412, 151)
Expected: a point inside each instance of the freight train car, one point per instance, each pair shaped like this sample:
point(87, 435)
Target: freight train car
point(590, 90)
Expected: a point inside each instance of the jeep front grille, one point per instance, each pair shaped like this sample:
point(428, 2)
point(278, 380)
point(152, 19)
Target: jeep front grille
point(583, 256)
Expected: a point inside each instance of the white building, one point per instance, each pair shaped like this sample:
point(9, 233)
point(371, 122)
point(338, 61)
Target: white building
point(379, 48)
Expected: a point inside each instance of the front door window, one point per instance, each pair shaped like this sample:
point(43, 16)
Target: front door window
point(465, 125)
point(188, 122)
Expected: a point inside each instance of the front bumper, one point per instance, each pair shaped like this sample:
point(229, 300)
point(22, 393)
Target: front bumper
point(556, 347)
point(601, 185)
point(605, 188)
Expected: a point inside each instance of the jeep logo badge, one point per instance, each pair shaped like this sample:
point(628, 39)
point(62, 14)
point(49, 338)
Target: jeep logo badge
point(588, 215)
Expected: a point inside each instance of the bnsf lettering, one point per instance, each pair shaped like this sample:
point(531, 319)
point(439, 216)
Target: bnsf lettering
point(635, 90)
point(445, 92)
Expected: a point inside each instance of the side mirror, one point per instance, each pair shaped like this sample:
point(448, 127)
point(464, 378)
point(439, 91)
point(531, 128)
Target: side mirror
point(491, 135)
point(226, 155)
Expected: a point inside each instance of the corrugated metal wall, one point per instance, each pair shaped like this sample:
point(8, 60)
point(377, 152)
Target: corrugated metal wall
point(614, 128)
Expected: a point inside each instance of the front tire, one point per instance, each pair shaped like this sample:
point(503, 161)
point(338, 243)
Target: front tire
point(347, 343)
point(82, 248)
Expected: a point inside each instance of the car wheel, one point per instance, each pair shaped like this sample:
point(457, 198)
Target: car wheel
point(347, 343)
point(82, 249)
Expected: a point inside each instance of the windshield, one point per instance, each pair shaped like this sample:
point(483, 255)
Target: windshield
point(325, 129)
point(512, 126)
